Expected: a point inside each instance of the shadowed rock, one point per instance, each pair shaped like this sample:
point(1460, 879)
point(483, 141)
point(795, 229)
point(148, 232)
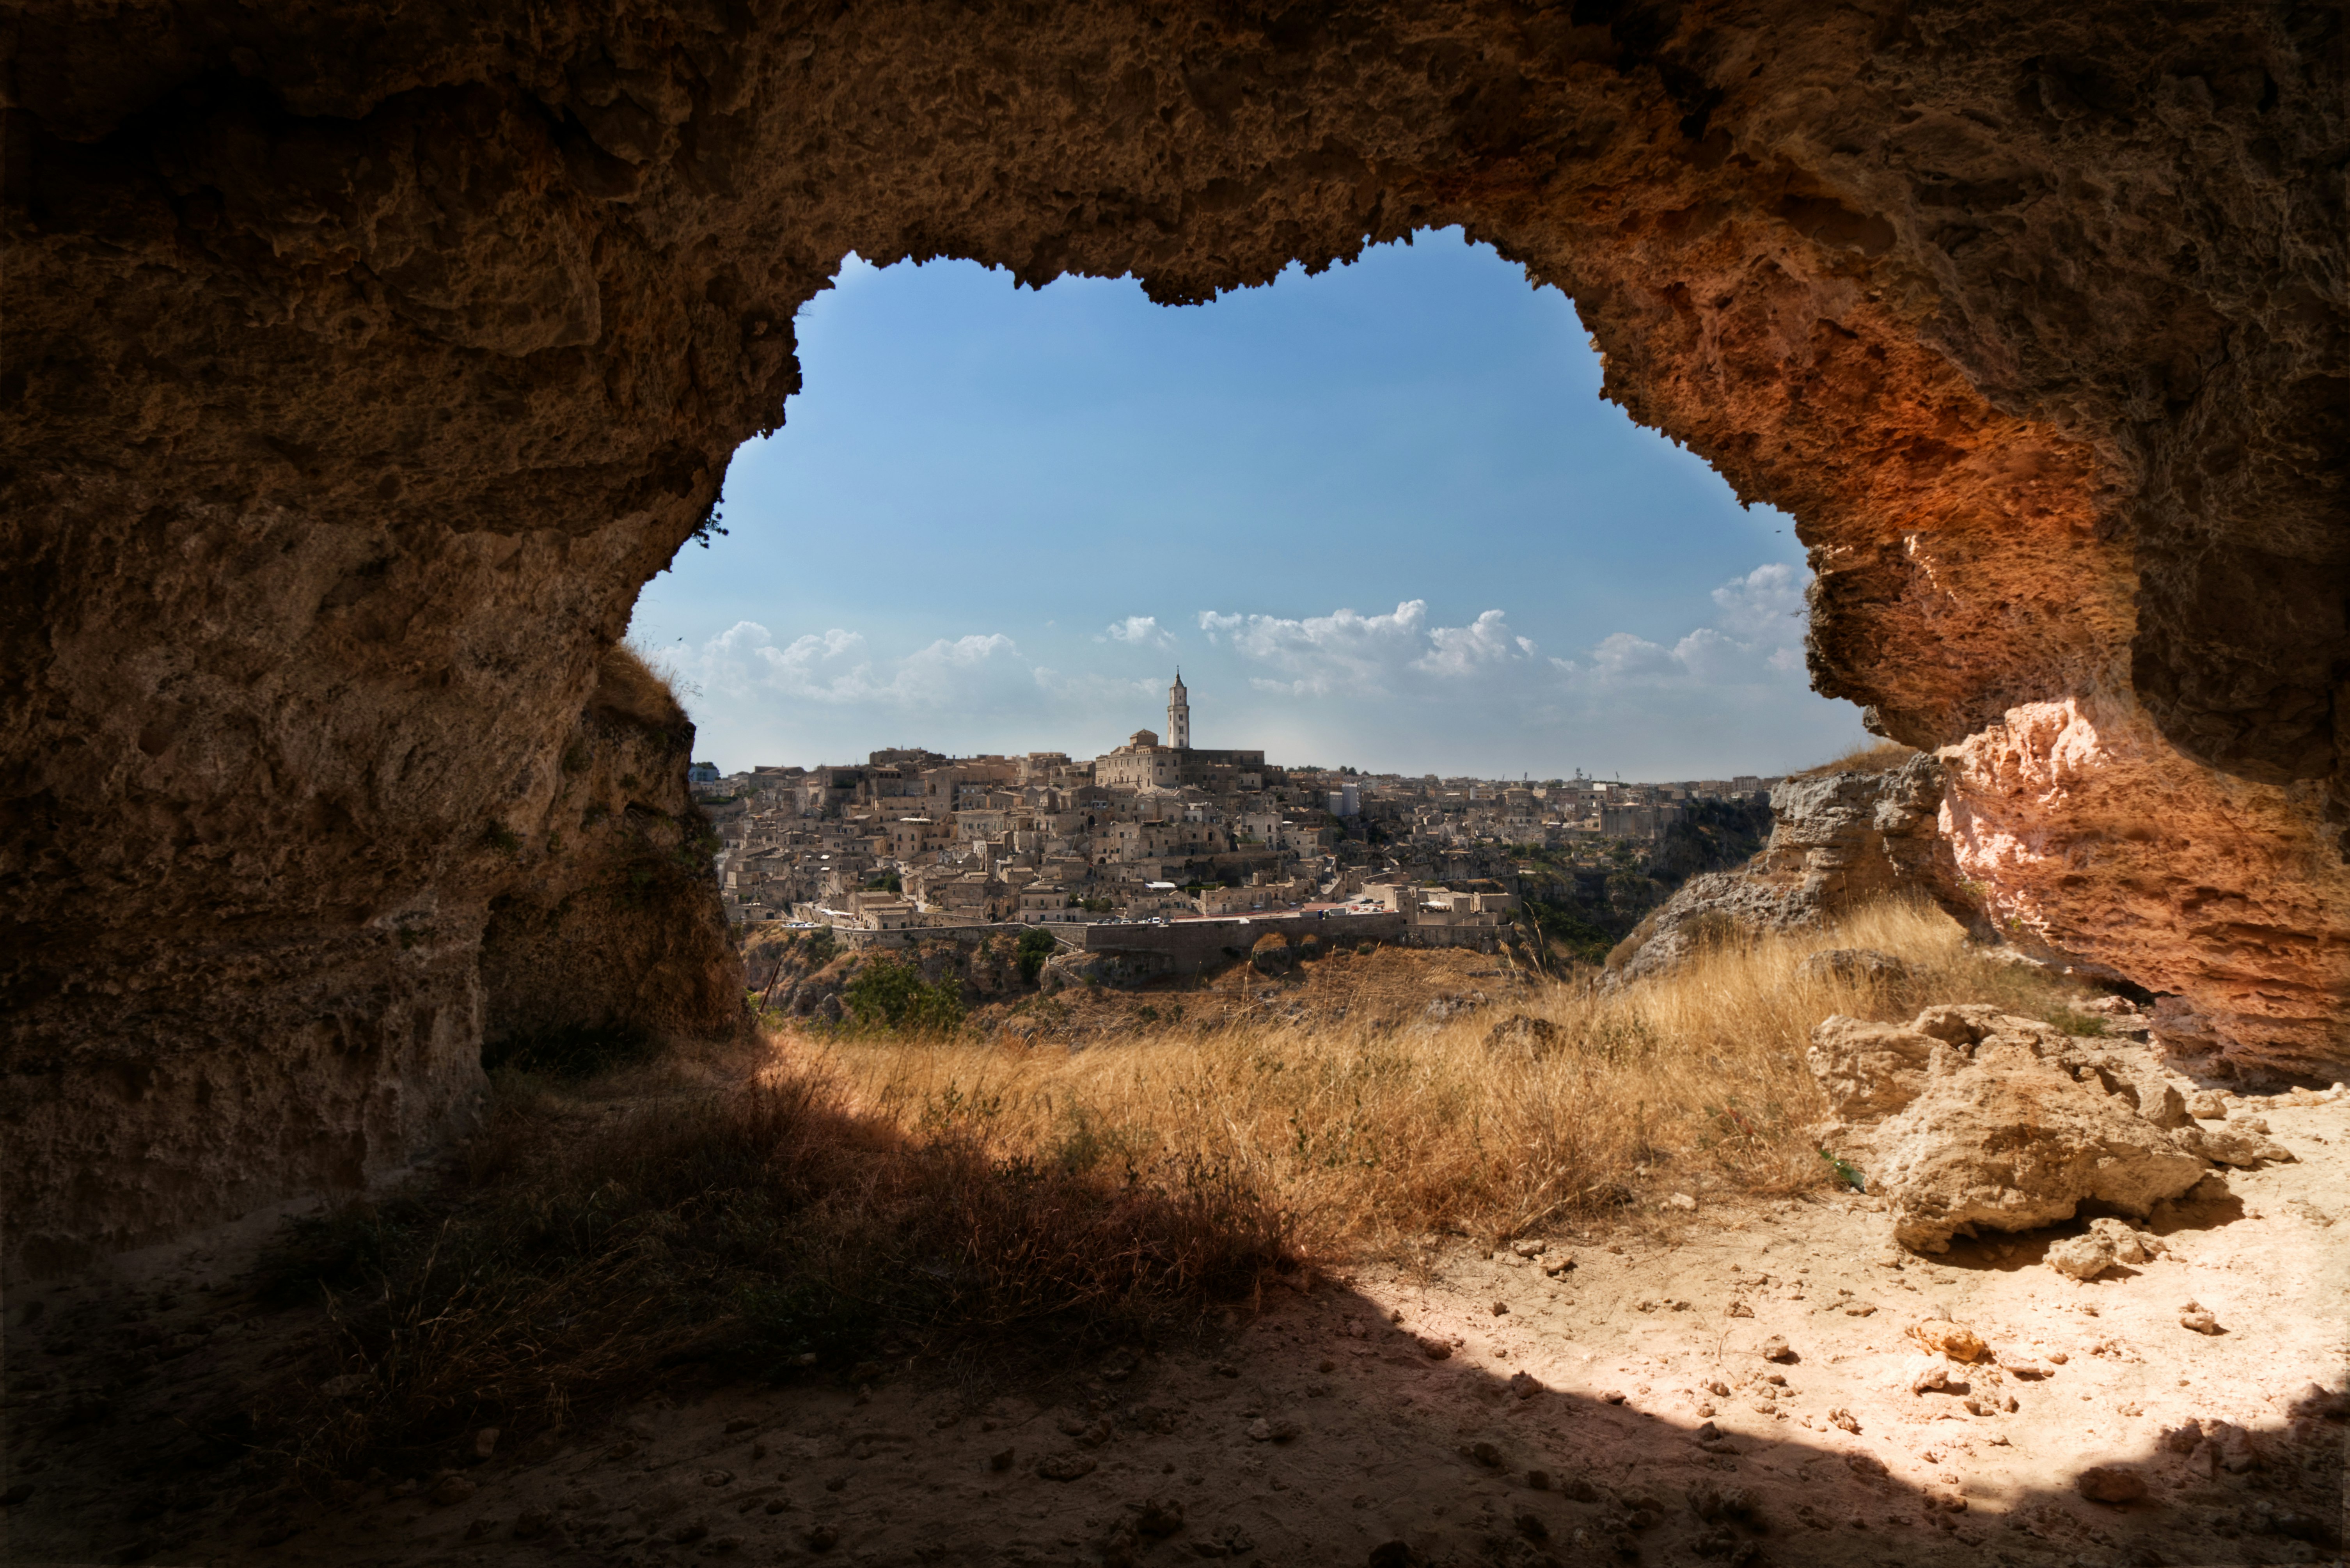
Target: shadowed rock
point(1839, 841)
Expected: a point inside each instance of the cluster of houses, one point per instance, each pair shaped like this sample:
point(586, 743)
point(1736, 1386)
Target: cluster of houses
point(1153, 831)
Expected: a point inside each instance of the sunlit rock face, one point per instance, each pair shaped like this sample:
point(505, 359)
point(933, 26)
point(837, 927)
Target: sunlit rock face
point(364, 361)
point(2092, 837)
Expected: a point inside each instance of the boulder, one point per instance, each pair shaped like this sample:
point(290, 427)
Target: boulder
point(1868, 1070)
point(2111, 1483)
point(2010, 1125)
point(2080, 1257)
point(2238, 1146)
point(1122, 970)
point(1954, 1340)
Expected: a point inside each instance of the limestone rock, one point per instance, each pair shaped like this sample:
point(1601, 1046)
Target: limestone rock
point(1868, 1070)
point(1928, 1373)
point(2226, 893)
point(1855, 966)
point(2124, 1243)
point(1837, 841)
point(2011, 1127)
point(1522, 1035)
point(1954, 1340)
point(2111, 1483)
point(2236, 1144)
point(2083, 1257)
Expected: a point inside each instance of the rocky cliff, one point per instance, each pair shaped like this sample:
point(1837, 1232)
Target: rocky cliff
point(365, 360)
point(1838, 840)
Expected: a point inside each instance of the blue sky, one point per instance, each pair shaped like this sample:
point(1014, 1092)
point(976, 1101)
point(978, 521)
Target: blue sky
point(1380, 516)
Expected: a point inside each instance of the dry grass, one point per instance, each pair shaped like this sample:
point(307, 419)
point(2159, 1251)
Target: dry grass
point(1874, 757)
point(638, 687)
point(1364, 1138)
point(845, 1198)
point(755, 1229)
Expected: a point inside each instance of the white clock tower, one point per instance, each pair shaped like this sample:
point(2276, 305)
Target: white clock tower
point(1178, 715)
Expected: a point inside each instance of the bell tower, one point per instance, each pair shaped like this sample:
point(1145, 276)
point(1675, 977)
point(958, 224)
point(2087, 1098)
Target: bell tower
point(1178, 715)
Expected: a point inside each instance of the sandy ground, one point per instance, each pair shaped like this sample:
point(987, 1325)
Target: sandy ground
point(1621, 1410)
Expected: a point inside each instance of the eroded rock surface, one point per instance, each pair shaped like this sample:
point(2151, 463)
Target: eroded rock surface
point(2090, 839)
point(1986, 1121)
point(1837, 841)
point(614, 881)
point(256, 1060)
point(364, 362)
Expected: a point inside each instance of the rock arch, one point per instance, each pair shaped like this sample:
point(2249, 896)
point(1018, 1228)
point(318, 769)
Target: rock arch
point(363, 362)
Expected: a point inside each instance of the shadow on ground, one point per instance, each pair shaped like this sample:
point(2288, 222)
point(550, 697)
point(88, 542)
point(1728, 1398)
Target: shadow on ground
point(1313, 1428)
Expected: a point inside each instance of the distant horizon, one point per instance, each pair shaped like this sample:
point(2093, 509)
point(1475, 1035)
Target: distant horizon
point(1075, 757)
point(1378, 514)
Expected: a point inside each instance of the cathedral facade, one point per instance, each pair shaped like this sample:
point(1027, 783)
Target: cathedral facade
point(1144, 762)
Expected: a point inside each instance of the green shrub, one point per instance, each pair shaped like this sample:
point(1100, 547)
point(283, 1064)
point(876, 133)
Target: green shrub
point(1035, 947)
point(887, 994)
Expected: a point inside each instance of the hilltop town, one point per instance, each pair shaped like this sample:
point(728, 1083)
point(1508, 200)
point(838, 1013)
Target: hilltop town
point(1159, 830)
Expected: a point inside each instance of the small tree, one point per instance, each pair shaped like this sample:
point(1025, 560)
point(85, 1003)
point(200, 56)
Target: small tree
point(1035, 947)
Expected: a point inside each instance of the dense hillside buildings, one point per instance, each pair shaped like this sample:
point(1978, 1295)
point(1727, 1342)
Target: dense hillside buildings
point(1156, 830)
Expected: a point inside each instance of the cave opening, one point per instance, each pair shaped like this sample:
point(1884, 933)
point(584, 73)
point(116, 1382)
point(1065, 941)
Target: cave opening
point(1380, 514)
point(355, 394)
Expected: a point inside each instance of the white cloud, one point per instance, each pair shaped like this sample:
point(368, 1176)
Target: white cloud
point(1481, 644)
point(1758, 637)
point(1139, 631)
point(1346, 651)
point(836, 667)
point(1094, 690)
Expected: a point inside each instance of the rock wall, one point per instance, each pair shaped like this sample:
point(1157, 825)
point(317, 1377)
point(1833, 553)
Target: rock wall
point(366, 360)
point(615, 879)
point(1838, 840)
point(2086, 835)
point(213, 1071)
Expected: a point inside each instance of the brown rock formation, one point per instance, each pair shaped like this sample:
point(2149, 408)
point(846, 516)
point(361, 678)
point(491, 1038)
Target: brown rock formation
point(364, 361)
point(1838, 840)
point(2086, 835)
point(614, 880)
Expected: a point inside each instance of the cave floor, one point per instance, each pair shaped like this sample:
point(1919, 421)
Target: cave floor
point(1563, 1420)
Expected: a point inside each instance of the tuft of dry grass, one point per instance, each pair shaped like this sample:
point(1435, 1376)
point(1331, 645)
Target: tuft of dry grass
point(1874, 757)
point(847, 1196)
point(637, 687)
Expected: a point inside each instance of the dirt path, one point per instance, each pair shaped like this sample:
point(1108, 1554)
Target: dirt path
point(1621, 1410)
